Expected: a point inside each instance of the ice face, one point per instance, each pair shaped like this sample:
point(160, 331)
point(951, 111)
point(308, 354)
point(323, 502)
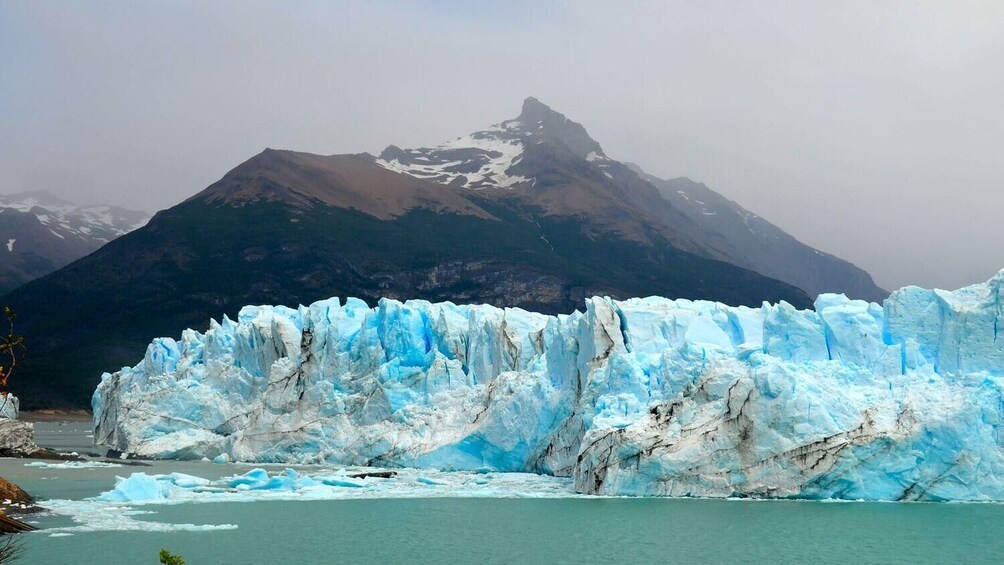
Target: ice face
point(10, 407)
point(646, 396)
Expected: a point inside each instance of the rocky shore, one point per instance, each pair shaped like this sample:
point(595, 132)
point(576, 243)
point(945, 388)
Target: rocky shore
point(17, 439)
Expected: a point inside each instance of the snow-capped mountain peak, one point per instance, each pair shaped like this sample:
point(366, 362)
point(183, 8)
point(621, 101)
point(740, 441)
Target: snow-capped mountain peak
point(476, 161)
point(42, 233)
point(485, 159)
point(65, 219)
point(547, 124)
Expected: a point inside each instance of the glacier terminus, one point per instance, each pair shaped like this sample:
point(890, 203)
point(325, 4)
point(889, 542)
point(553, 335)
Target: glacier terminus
point(646, 396)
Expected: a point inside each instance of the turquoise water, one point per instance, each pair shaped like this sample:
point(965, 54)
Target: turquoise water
point(470, 530)
point(551, 531)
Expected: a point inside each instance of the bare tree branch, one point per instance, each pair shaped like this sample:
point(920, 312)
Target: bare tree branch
point(11, 548)
point(11, 346)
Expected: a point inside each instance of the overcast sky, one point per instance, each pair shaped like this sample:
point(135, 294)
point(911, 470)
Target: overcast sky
point(871, 130)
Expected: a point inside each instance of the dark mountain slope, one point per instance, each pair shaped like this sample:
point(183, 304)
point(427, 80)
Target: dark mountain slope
point(772, 251)
point(40, 233)
point(29, 250)
point(343, 181)
point(289, 228)
point(543, 161)
point(548, 163)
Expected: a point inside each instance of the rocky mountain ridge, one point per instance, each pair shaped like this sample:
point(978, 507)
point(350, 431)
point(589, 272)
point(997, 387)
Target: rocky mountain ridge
point(542, 231)
point(40, 233)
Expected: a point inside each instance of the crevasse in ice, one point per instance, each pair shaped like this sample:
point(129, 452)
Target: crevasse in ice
point(645, 396)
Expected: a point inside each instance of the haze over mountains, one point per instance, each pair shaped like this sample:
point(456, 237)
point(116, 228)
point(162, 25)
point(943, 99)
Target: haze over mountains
point(771, 250)
point(40, 233)
point(501, 156)
point(529, 213)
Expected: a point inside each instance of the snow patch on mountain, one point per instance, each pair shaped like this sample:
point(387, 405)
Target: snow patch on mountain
point(64, 219)
point(476, 161)
point(485, 159)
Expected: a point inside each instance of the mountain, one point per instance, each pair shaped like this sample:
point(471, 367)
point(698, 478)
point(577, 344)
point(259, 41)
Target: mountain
point(771, 250)
point(548, 165)
point(533, 215)
point(41, 233)
point(563, 171)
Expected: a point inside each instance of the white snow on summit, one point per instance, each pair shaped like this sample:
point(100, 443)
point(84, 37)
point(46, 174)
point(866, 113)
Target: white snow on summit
point(98, 223)
point(491, 158)
point(478, 160)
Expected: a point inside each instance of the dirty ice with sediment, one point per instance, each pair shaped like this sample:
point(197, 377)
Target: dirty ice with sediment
point(647, 396)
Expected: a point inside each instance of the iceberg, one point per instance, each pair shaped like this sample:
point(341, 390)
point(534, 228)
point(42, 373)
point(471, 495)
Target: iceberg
point(330, 484)
point(131, 504)
point(640, 397)
point(72, 465)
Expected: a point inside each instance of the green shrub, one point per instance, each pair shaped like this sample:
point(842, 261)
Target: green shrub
point(168, 558)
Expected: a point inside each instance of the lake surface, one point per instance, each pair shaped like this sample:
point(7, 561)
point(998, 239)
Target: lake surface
point(496, 530)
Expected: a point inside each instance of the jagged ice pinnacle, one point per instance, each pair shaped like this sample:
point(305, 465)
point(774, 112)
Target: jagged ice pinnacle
point(645, 396)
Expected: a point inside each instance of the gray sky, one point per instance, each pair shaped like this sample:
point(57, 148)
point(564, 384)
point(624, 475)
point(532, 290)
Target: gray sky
point(872, 130)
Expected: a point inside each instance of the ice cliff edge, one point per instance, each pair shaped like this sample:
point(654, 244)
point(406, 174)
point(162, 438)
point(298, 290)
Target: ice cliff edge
point(645, 396)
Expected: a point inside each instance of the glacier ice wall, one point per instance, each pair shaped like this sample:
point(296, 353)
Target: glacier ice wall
point(645, 396)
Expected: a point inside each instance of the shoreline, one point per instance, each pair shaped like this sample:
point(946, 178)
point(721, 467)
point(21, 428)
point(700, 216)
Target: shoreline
point(55, 416)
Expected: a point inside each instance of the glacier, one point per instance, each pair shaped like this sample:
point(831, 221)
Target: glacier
point(639, 397)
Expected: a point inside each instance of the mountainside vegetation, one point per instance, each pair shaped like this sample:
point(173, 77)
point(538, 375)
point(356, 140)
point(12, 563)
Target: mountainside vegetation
point(529, 213)
point(203, 259)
